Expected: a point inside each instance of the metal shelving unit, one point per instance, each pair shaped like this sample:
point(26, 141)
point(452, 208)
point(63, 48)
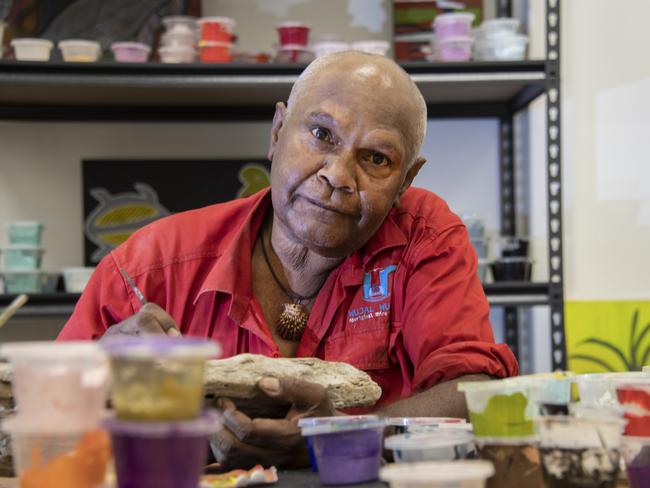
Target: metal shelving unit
point(163, 93)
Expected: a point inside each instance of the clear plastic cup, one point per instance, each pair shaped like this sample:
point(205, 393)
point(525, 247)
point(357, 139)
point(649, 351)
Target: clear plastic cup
point(56, 456)
point(57, 383)
point(158, 378)
point(580, 452)
point(130, 52)
point(501, 408)
point(80, 50)
point(441, 445)
point(161, 454)
point(438, 474)
point(372, 47)
point(636, 453)
point(24, 232)
point(347, 451)
point(453, 25)
point(28, 49)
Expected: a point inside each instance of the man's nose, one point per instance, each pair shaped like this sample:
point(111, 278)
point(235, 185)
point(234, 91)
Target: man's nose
point(339, 171)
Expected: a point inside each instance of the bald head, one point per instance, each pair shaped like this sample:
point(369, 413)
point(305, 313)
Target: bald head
point(378, 77)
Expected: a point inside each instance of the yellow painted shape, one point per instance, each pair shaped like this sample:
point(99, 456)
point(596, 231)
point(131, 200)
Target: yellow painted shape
point(126, 214)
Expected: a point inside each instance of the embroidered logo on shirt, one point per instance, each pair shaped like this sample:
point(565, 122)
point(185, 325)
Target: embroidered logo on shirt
point(375, 284)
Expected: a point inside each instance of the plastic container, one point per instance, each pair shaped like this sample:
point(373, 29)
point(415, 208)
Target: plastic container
point(130, 52)
point(438, 474)
point(481, 247)
point(161, 454)
point(29, 281)
point(58, 384)
point(324, 48)
point(28, 49)
point(215, 52)
point(80, 51)
point(636, 399)
point(178, 39)
point(407, 424)
point(443, 445)
point(180, 23)
point(481, 270)
point(57, 457)
point(24, 232)
point(22, 257)
point(314, 421)
point(177, 54)
point(453, 25)
point(75, 279)
point(454, 49)
point(347, 451)
point(502, 26)
point(579, 452)
point(501, 408)
point(516, 461)
point(372, 47)
point(513, 247)
point(636, 453)
point(475, 226)
point(512, 269)
point(216, 28)
point(600, 388)
point(503, 48)
point(293, 33)
point(294, 54)
point(158, 378)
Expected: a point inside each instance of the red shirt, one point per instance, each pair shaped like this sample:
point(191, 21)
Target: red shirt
point(407, 308)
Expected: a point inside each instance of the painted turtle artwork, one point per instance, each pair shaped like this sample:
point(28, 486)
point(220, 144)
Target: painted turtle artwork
point(118, 216)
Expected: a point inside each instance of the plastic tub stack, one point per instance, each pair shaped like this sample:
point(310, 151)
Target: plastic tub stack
point(514, 264)
point(60, 393)
point(453, 37)
point(498, 40)
point(178, 41)
point(22, 258)
point(160, 430)
point(216, 42)
point(476, 229)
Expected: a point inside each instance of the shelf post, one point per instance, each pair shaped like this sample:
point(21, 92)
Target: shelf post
point(554, 189)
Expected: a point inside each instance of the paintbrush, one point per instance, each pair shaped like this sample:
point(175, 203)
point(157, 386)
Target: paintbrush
point(135, 289)
point(13, 307)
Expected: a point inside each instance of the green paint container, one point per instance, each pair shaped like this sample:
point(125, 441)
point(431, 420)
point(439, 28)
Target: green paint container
point(22, 257)
point(24, 232)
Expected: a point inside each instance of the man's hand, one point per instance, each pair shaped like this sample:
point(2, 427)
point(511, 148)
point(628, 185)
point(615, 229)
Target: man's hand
point(244, 442)
point(150, 319)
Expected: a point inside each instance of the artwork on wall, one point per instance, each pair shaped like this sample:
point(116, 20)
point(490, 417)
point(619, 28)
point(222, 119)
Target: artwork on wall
point(119, 197)
point(604, 336)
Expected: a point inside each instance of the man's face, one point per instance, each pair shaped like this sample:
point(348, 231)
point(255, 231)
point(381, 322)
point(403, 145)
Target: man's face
point(339, 160)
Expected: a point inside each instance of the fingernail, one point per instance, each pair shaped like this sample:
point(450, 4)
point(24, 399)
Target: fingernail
point(173, 332)
point(270, 385)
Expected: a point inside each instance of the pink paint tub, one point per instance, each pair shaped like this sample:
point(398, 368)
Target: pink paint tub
point(453, 25)
point(293, 33)
point(130, 52)
point(454, 49)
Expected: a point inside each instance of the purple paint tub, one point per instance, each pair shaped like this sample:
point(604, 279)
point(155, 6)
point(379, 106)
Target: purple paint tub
point(347, 449)
point(636, 451)
point(161, 454)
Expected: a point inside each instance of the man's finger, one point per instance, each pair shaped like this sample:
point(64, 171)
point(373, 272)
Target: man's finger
point(303, 395)
point(279, 434)
point(147, 323)
point(230, 452)
point(165, 321)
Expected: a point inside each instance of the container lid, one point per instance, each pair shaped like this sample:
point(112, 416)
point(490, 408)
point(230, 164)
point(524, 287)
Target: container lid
point(428, 440)
point(406, 421)
point(501, 20)
point(206, 424)
point(159, 347)
point(312, 421)
point(31, 40)
point(507, 384)
point(343, 426)
point(507, 441)
point(51, 351)
point(131, 45)
point(454, 17)
point(437, 471)
point(23, 223)
point(24, 247)
point(79, 43)
point(220, 20)
point(291, 23)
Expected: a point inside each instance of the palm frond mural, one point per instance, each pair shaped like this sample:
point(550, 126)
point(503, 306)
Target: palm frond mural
point(608, 336)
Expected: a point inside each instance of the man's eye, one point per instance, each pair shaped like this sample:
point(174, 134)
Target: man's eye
point(378, 159)
point(322, 134)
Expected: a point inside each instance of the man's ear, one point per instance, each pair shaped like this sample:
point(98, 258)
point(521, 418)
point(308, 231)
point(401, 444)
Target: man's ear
point(278, 120)
point(410, 176)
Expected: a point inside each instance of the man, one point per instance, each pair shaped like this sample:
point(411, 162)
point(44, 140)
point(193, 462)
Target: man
point(339, 260)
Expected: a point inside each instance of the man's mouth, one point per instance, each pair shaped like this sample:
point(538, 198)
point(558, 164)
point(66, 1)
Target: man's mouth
point(331, 208)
